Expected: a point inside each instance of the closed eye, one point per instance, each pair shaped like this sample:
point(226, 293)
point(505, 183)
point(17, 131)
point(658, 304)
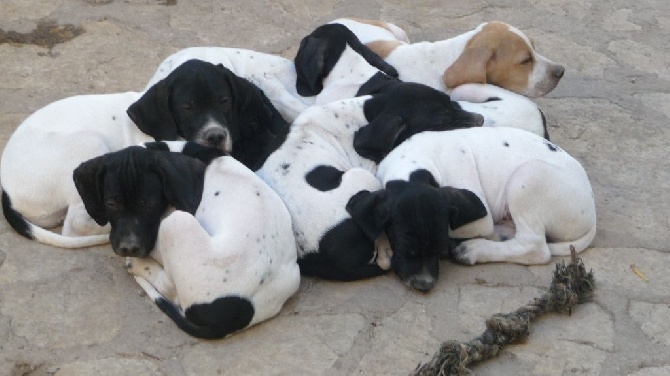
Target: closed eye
point(527, 60)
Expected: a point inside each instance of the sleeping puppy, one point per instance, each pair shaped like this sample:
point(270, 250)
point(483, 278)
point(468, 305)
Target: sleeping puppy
point(501, 107)
point(274, 75)
point(197, 101)
point(332, 64)
point(494, 53)
point(329, 69)
point(229, 265)
point(516, 196)
point(331, 153)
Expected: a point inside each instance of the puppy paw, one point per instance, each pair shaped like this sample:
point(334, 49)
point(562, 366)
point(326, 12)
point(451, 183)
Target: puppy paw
point(463, 255)
point(129, 264)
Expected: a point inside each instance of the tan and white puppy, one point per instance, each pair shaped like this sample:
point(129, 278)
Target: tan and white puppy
point(494, 53)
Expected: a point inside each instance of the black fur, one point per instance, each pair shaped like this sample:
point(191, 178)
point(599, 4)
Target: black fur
point(416, 216)
point(132, 188)
point(213, 320)
point(345, 254)
point(198, 92)
point(401, 110)
point(324, 178)
point(14, 218)
point(319, 52)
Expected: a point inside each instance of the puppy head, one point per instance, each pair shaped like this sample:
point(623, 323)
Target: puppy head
point(416, 216)
point(132, 188)
point(502, 55)
point(403, 110)
point(320, 51)
point(193, 101)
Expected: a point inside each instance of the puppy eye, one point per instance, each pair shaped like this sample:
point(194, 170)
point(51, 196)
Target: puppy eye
point(189, 107)
point(112, 203)
point(527, 60)
point(223, 100)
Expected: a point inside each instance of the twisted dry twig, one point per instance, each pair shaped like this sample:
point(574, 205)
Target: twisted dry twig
point(571, 285)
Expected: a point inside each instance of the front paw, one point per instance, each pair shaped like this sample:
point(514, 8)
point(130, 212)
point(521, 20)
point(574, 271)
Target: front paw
point(129, 264)
point(464, 255)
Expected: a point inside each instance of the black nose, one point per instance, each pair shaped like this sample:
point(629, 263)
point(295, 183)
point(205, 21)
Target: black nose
point(129, 248)
point(423, 283)
point(479, 119)
point(216, 138)
point(559, 71)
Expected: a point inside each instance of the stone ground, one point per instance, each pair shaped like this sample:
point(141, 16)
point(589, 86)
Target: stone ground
point(68, 312)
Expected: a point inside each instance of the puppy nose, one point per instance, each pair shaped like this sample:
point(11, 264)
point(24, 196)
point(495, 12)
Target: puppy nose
point(423, 283)
point(129, 249)
point(216, 138)
point(559, 71)
point(479, 119)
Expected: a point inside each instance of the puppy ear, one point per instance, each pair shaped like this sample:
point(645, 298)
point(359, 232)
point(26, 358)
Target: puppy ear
point(369, 211)
point(464, 206)
point(470, 67)
point(310, 62)
point(375, 140)
point(89, 178)
point(183, 178)
point(151, 113)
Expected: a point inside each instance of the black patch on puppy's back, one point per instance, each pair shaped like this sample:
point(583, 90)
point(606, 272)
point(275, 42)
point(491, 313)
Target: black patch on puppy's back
point(324, 178)
point(14, 218)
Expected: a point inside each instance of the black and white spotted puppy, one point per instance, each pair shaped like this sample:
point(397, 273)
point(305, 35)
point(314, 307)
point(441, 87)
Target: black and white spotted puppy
point(331, 153)
point(230, 265)
point(516, 196)
point(332, 64)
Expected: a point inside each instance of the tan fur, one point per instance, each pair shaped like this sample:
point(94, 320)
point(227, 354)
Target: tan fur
point(384, 48)
point(378, 23)
point(503, 52)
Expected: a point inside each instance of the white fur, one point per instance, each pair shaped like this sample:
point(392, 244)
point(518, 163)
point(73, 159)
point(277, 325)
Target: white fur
point(273, 74)
point(322, 135)
point(426, 62)
point(545, 193)
point(239, 243)
point(512, 110)
point(368, 32)
point(41, 155)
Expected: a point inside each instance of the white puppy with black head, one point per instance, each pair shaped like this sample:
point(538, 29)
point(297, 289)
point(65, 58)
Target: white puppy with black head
point(516, 196)
point(229, 266)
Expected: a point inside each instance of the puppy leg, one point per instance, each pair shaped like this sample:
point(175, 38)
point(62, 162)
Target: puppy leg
point(78, 223)
point(529, 190)
point(383, 252)
point(150, 270)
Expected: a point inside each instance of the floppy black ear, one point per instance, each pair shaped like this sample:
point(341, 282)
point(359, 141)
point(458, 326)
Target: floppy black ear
point(310, 62)
point(369, 211)
point(183, 178)
point(464, 206)
point(375, 140)
point(151, 113)
point(89, 179)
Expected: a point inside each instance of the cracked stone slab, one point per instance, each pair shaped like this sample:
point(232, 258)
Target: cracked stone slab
point(309, 345)
point(653, 320)
point(110, 366)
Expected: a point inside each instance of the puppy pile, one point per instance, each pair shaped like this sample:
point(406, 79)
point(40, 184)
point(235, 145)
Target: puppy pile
point(235, 171)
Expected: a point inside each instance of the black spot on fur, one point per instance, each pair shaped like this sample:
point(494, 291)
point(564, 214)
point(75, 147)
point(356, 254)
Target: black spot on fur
point(324, 178)
point(493, 99)
point(505, 144)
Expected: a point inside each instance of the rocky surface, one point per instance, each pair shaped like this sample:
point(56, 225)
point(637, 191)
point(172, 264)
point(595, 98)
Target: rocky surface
point(77, 312)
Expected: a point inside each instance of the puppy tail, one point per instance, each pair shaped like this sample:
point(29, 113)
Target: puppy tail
point(225, 315)
point(563, 249)
point(34, 232)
